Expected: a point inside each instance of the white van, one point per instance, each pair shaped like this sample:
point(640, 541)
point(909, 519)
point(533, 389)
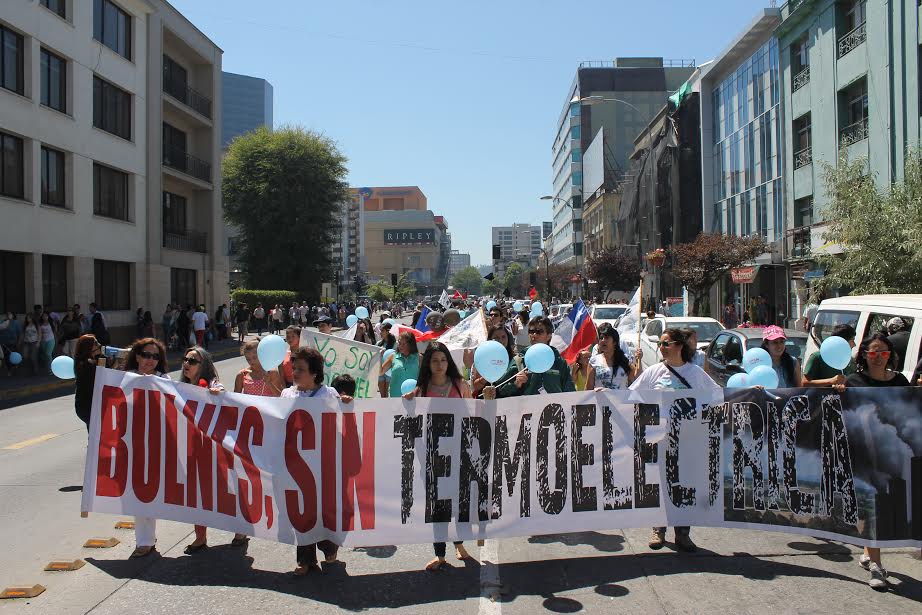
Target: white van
point(869, 314)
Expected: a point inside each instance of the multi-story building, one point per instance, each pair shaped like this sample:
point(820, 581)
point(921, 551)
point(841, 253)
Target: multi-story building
point(619, 97)
point(458, 262)
point(411, 242)
point(347, 252)
point(247, 105)
point(602, 198)
point(395, 198)
point(742, 152)
point(519, 243)
point(110, 184)
point(850, 83)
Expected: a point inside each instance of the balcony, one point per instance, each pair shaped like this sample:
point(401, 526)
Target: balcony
point(803, 157)
point(853, 39)
point(853, 133)
point(179, 159)
point(186, 241)
point(801, 79)
point(189, 97)
point(797, 243)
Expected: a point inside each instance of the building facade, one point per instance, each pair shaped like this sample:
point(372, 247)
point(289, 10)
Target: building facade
point(850, 83)
point(519, 243)
point(395, 198)
point(458, 262)
point(111, 176)
point(410, 242)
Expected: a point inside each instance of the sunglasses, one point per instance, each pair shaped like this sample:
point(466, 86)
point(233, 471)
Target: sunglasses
point(536, 332)
point(873, 354)
point(150, 356)
point(190, 361)
point(662, 343)
point(495, 314)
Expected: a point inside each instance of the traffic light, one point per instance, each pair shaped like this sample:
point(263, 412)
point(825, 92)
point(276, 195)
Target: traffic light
point(533, 278)
point(393, 279)
point(497, 252)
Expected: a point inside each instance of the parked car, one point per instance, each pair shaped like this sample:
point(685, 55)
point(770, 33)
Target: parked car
point(607, 312)
point(707, 329)
point(724, 355)
point(869, 314)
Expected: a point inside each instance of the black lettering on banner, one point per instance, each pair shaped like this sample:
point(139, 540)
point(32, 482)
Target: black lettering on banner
point(409, 429)
point(838, 478)
point(550, 501)
point(715, 417)
point(474, 430)
point(773, 420)
point(681, 410)
point(613, 498)
point(795, 410)
point(748, 415)
point(584, 498)
point(437, 466)
point(519, 464)
point(644, 453)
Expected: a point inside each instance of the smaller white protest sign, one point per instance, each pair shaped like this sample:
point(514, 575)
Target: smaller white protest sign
point(345, 356)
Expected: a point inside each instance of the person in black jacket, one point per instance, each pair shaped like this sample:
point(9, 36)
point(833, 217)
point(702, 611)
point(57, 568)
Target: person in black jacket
point(86, 355)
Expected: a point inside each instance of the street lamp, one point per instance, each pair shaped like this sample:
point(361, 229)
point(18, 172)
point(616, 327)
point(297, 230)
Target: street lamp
point(596, 99)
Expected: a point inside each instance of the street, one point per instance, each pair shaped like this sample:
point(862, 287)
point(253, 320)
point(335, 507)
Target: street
point(42, 448)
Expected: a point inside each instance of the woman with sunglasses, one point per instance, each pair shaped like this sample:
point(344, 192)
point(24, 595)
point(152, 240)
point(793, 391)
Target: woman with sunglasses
point(87, 353)
point(876, 363)
point(675, 371)
point(147, 357)
point(787, 367)
point(517, 381)
point(439, 377)
point(609, 367)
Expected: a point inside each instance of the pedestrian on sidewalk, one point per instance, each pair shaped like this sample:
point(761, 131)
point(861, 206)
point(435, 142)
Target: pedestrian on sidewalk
point(68, 333)
point(259, 316)
point(167, 323)
point(218, 323)
point(200, 325)
point(48, 340)
point(243, 319)
point(29, 342)
point(87, 354)
point(10, 332)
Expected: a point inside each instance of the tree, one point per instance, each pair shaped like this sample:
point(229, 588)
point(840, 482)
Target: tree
point(490, 288)
point(514, 280)
point(559, 276)
point(880, 231)
point(284, 191)
point(468, 280)
point(614, 269)
point(700, 264)
point(383, 291)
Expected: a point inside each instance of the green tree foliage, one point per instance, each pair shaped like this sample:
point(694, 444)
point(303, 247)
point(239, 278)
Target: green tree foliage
point(266, 297)
point(514, 280)
point(490, 288)
point(284, 191)
point(468, 280)
point(614, 269)
point(383, 291)
point(880, 231)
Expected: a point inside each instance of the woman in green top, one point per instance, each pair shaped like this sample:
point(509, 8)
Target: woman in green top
point(404, 364)
point(817, 373)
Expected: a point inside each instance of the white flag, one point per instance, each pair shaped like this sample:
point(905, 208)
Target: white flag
point(466, 335)
point(629, 326)
point(444, 301)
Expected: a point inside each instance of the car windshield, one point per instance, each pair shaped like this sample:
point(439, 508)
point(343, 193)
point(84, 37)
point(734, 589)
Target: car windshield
point(705, 330)
point(827, 320)
point(795, 346)
point(607, 313)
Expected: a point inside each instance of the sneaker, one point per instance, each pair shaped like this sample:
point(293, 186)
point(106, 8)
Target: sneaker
point(658, 539)
point(864, 561)
point(878, 579)
point(684, 543)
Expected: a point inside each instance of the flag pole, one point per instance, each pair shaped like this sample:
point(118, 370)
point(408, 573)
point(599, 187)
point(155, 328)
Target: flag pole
point(639, 311)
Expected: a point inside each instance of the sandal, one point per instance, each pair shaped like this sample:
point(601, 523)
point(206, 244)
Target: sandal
point(461, 553)
point(303, 570)
point(240, 540)
point(194, 548)
point(142, 551)
point(436, 564)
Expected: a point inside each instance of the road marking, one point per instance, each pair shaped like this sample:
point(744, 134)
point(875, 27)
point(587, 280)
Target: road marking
point(489, 579)
point(30, 442)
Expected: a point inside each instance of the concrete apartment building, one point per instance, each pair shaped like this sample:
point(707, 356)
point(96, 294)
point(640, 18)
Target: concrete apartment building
point(110, 187)
point(519, 243)
point(458, 262)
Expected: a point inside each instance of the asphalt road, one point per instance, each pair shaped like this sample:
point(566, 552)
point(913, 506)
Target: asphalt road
point(42, 449)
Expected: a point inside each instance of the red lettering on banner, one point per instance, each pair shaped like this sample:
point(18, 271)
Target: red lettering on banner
point(199, 454)
point(250, 507)
point(173, 490)
point(359, 472)
point(227, 421)
point(328, 469)
point(300, 423)
point(145, 445)
point(112, 467)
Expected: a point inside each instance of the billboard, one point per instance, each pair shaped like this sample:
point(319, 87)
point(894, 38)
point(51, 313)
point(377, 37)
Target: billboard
point(415, 236)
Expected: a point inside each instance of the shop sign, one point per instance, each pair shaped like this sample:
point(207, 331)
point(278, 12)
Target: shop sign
point(744, 275)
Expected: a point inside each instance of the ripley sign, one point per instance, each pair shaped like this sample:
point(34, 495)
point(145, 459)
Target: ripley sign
point(415, 236)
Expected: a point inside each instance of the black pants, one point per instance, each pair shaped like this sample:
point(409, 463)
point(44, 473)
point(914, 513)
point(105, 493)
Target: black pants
point(307, 554)
point(440, 548)
point(680, 530)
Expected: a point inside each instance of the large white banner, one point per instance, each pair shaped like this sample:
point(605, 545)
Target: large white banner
point(346, 356)
point(392, 471)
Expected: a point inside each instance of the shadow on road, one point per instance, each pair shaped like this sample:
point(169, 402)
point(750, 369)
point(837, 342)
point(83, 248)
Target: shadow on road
point(609, 543)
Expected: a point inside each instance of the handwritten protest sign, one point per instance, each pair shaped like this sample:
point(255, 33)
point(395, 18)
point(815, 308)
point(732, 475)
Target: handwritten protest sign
point(344, 356)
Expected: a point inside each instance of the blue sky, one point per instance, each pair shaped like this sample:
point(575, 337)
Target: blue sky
point(459, 98)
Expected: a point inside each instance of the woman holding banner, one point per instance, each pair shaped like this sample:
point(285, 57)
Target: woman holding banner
point(439, 377)
point(254, 380)
point(496, 333)
point(675, 371)
point(404, 364)
point(147, 357)
point(610, 368)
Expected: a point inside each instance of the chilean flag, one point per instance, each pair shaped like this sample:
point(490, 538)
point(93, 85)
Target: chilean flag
point(575, 333)
point(422, 333)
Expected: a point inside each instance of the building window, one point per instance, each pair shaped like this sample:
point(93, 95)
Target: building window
point(800, 63)
point(13, 282)
point(11, 60)
point(52, 177)
point(855, 14)
point(182, 286)
point(853, 102)
point(11, 166)
point(803, 153)
point(113, 285)
point(174, 213)
point(112, 27)
point(54, 282)
point(110, 192)
point(54, 81)
point(803, 211)
point(111, 108)
point(853, 28)
point(56, 6)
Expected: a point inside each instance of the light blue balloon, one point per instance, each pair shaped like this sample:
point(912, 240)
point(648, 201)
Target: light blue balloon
point(517, 306)
point(15, 358)
point(351, 319)
point(361, 312)
point(463, 314)
point(537, 306)
point(755, 357)
point(763, 375)
point(491, 360)
point(407, 386)
point(490, 305)
point(271, 351)
point(738, 381)
point(387, 353)
point(63, 367)
point(391, 322)
point(836, 352)
point(539, 358)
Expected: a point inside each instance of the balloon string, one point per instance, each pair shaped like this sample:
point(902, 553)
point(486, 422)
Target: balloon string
point(509, 379)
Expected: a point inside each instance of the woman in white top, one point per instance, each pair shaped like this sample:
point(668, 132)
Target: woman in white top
point(675, 371)
point(147, 357)
point(610, 368)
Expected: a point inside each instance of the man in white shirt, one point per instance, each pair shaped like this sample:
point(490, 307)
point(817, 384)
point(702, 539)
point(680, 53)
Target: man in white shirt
point(200, 324)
